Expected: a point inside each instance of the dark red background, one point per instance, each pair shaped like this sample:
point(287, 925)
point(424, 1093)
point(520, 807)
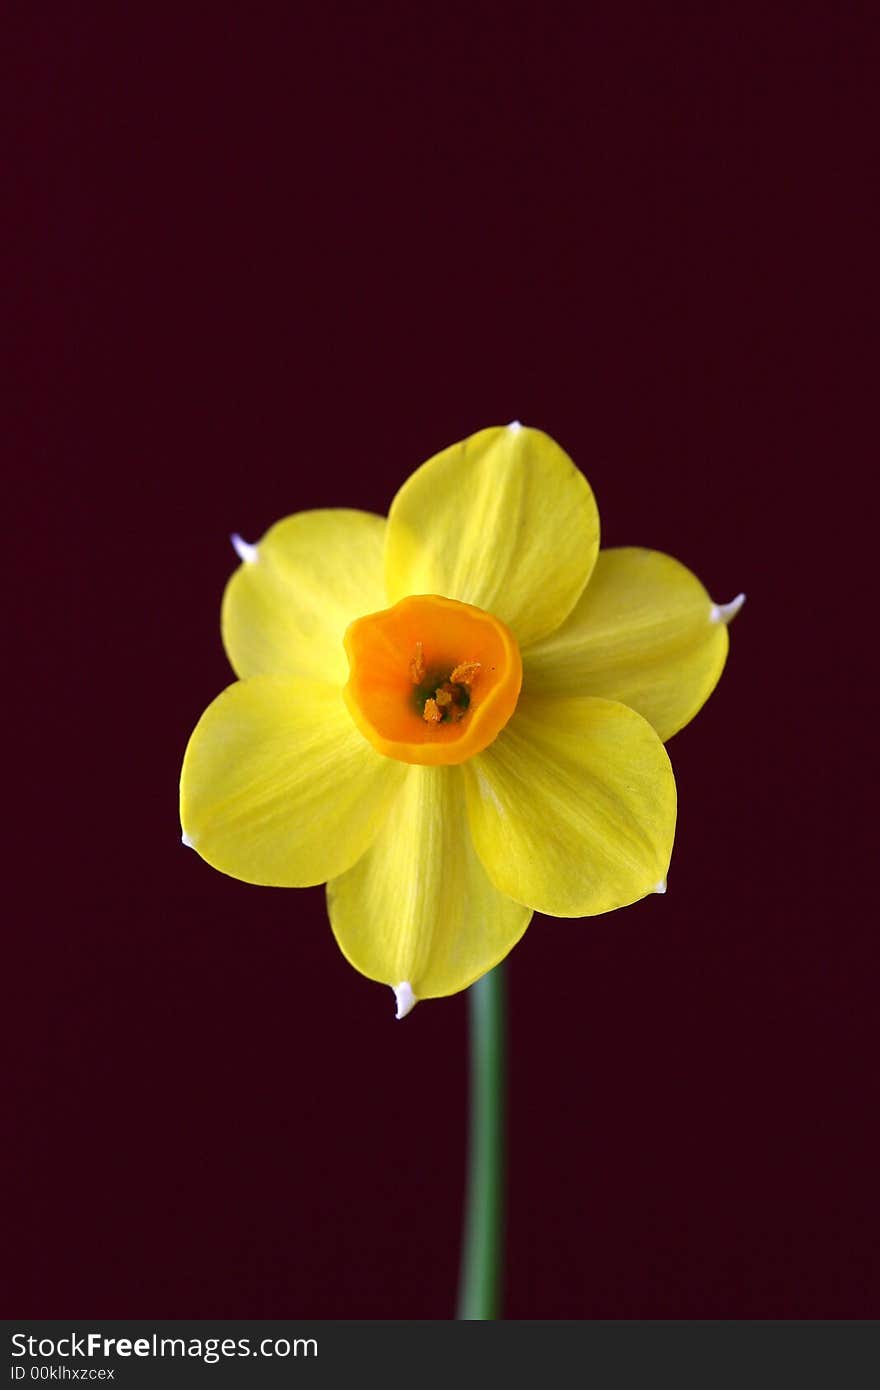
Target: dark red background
point(272, 257)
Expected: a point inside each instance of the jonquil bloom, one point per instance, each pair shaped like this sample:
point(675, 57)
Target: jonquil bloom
point(454, 716)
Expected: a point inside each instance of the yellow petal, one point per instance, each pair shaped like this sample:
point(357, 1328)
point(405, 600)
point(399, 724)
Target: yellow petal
point(641, 633)
point(278, 787)
point(572, 808)
point(418, 907)
point(285, 612)
point(502, 520)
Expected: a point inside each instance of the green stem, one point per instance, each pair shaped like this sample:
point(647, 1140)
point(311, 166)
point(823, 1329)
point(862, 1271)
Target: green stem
point(479, 1295)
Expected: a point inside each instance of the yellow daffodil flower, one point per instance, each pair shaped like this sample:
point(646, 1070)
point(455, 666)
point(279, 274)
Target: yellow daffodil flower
point(455, 716)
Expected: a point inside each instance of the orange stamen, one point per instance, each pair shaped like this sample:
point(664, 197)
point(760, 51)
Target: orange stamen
point(417, 665)
point(465, 673)
point(432, 714)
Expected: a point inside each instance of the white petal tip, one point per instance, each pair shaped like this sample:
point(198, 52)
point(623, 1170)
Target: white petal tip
point(659, 887)
point(515, 426)
point(185, 840)
point(246, 552)
point(406, 1000)
point(726, 612)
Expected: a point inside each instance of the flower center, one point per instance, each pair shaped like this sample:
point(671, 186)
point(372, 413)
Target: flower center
point(431, 680)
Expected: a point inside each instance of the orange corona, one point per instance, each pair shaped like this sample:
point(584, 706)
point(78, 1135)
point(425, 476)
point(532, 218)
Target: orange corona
point(431, 680)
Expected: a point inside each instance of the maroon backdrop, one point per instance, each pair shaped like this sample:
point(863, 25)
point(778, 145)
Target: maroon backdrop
point(268, 258)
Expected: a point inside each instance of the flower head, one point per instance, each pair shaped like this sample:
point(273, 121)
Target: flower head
point(455, 716)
